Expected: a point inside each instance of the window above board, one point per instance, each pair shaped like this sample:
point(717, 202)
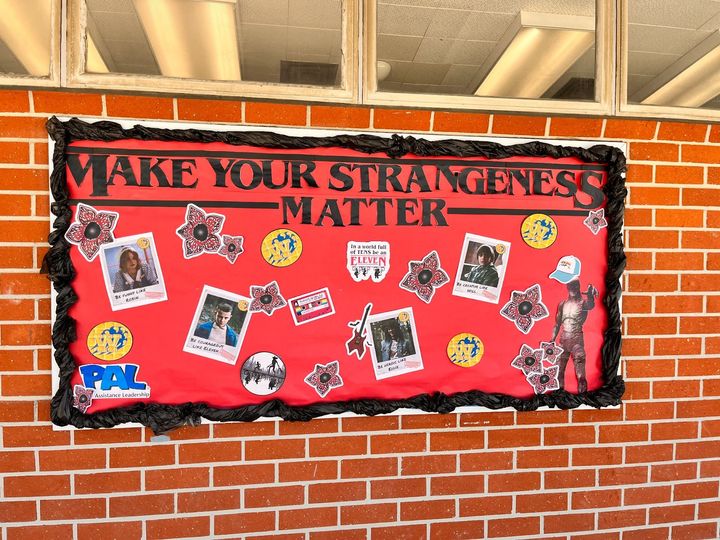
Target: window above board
point(599, 57)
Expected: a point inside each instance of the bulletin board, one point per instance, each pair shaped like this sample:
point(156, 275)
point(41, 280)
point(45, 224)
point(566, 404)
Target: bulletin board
point(231, 275)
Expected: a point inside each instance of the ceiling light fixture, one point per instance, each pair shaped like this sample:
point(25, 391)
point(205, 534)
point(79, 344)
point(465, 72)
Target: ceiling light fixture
point(192, 39)
point(383, 70)
point(690, 81)
point(535, 51)
point(25, 29)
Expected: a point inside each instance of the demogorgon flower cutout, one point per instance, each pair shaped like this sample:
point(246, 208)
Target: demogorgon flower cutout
point(596, 220)
point(91, 229)
point(424, 277)
point(529, 360)
point(525, 308)
point(231, 247)
point(551, 351)
point(267, 298)
point(325, 377)
point(200, 232)
point(547, 380)
point(82, 397)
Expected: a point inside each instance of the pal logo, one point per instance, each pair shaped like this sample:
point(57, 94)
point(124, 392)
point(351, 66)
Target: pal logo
point(114, 381)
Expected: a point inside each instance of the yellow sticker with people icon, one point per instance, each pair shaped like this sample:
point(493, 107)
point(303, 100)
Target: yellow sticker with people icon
point(539, 231)
point(465, 350)
point(109, 341)
point(281, 247)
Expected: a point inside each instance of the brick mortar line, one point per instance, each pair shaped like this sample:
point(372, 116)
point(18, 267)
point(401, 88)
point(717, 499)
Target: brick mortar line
point(348, 504)
point(678, 228)
point(661, 336)
point(28, 192)
point(398, 431)
point(657, 131)
point(10, 219)
point(652, 294)
point(684, 315)
point(479, 453)
point(25, 347)
point(667, 207)
point(383, 525)
point(24, 321)
point(242, 488)
point(40, 296)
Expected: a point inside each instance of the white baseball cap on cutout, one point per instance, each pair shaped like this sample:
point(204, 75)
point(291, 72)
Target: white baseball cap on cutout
point(568, 268)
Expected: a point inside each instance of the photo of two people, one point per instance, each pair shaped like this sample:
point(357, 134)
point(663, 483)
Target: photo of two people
point(394, 344)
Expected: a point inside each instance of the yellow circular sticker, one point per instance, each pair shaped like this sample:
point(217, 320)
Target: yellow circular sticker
point(465, 350)
point(144, 243)
point(109, 341)
point(539, 231)
point(281, 247)
point(243, 305)
point(403, 316)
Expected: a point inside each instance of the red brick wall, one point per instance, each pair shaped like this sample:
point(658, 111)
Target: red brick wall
point(647, 470)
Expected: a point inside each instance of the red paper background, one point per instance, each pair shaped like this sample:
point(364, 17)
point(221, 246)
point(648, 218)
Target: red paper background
point(159, 330)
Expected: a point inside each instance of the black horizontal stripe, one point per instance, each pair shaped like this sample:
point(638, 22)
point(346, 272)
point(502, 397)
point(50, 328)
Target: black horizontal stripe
point(515, 211)
point(216, 204)
point(343, 159)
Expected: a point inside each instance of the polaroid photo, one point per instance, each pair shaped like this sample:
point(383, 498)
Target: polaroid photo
point(219, 325)
point(394, 343)
point(482, 267)
point(132, 273)
point(311, 306)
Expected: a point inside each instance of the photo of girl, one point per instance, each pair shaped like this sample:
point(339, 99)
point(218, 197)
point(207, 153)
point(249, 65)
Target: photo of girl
point(132, 273)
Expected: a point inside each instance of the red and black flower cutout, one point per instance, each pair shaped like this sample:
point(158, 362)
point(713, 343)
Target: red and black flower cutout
point(545, 380)
point(267, 298)
point(82, 397)
point(529, 360)
point(325, 378)
point(91, 229)
point(551, 351)
point(231, 247)
point(424, 277)
point(532, 363)
point(596, 220)
point(200, 232)
point(524, 308)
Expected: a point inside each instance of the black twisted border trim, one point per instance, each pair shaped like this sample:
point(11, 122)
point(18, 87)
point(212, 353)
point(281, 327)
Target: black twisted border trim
point(161, 418)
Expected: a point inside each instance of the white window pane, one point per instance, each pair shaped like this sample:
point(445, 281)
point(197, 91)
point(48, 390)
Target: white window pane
point(25, 33)
point(674, 53)
point(510, 48)
point(276, 41)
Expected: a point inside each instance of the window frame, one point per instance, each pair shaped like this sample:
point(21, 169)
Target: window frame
point(647, 111)
point(53, 79)
point(604, 77)
point(358, 79)
point(347, 92)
